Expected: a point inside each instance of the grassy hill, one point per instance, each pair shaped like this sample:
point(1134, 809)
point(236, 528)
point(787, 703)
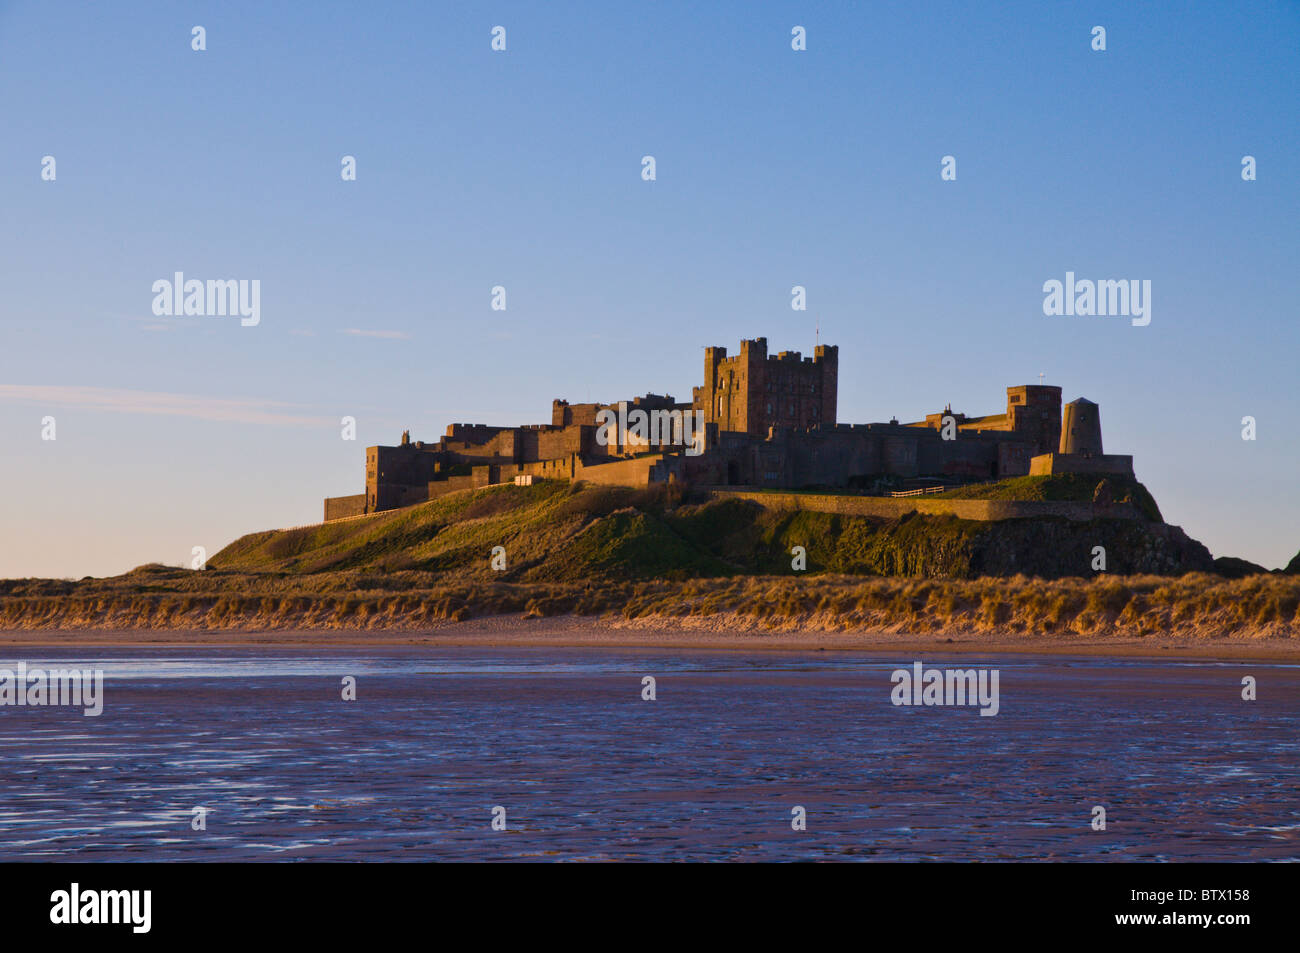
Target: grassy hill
point(554, 532)
point(550, 531)
point(646, 554)
point(1071, 487)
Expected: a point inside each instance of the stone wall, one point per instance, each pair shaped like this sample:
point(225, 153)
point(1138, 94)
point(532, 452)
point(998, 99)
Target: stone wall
point(889, 508)
point(769, 423)
point(1109, 463)
point(840, 455)
point(338, 507)
point(634, 472)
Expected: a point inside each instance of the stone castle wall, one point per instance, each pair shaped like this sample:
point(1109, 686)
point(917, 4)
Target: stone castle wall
point(888, 508)
point(1107, 463)
point(635, 472)
point(340, 507)
point(769, 422)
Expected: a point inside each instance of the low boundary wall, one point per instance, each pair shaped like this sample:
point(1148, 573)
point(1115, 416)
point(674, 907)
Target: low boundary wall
point(889, 508)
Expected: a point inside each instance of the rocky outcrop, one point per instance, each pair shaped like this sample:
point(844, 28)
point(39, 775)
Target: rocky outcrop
point(1055, 548)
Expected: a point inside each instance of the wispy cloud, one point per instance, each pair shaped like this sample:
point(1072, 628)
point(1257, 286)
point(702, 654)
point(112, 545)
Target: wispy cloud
point(366, 333)
point(249, 410)
point(151, 323)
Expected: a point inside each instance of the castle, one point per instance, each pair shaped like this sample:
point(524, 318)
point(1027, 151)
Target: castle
point(758, 421)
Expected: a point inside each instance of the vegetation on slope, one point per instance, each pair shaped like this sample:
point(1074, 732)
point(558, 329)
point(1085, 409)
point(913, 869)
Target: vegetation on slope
point(562, 533)
point(1071, 487)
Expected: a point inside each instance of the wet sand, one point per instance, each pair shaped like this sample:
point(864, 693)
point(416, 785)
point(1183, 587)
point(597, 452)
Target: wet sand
point(587, 769)
point(711, 632)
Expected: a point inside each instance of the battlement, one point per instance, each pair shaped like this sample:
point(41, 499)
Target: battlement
point(473, 433)
point(753, 392)
point(764, 420)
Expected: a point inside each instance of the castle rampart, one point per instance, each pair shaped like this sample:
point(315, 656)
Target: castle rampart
point(769, 421)
point(883, 508)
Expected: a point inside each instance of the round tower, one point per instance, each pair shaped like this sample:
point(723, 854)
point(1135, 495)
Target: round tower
point(1081, 428)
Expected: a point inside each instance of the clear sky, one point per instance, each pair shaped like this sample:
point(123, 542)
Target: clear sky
point(522, 168)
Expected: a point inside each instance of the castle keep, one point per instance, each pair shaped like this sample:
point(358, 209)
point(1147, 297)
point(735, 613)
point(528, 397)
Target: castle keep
point(757, 421)
point(752, 392)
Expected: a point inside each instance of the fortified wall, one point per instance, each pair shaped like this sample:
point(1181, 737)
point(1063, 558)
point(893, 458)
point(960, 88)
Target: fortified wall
point(759, 421)
point(981, 510)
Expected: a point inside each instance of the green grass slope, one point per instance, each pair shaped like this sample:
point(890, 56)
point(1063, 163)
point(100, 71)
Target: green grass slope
point(1062, 487)
point(560, 533)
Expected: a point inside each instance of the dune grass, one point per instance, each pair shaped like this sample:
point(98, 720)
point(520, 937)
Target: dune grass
point(169, 598)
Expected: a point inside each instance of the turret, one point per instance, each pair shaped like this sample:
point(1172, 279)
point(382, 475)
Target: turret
point(1081, 428)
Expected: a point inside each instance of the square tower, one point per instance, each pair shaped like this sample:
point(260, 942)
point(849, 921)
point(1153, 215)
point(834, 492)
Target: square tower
point(752, 391)
point(1034, 410)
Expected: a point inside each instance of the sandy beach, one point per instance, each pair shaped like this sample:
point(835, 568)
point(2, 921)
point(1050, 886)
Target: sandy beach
point(713, 632)
point(587, 769)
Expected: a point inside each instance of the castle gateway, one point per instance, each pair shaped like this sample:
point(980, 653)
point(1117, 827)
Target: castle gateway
point(768, 421)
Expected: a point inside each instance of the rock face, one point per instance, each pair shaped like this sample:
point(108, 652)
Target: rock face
point(1054, 548)
point(1293, 567)
point(932, 546)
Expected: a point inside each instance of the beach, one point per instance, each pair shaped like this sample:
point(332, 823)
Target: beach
point(262, 753)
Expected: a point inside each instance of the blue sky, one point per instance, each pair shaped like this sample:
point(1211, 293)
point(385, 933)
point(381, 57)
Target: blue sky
point(522, 168)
